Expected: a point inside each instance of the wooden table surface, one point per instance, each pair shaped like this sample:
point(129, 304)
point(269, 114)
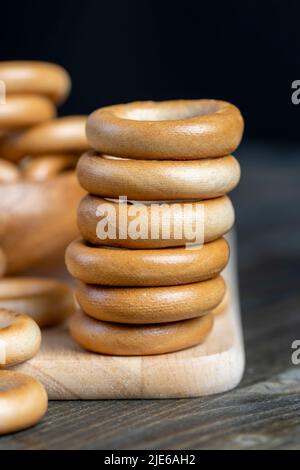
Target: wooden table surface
point(264, 411)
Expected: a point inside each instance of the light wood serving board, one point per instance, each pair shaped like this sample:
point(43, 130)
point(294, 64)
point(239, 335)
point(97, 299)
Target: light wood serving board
point(70, 373)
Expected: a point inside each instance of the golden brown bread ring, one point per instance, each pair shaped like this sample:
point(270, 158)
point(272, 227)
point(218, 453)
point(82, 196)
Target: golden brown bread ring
point(40, 78)
point(218, 219)
point(9, 172)
point(48, 166)
point(23, 401)
point(20, 338)
point(47, 301)
point(167, 130)
point(62, 135)
point(138, 340)
point(166, 267)
point(2, 262)
point(145, 305)
point(155, 180)
point(224, 304)
point(24, 111)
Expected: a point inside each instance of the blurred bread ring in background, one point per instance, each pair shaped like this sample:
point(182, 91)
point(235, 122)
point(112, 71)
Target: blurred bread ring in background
point(23, 401)
point(61, 135)
point(45, 167)
point(40, 78)
point(138, 340)
point(218, 220)
point(168, 267)
point(20, 338)
point(155, 180)
point(21, 111)
point(9, 172)
point(145, 305)
point(167, 130)
point(2, 262)
point(47, 301)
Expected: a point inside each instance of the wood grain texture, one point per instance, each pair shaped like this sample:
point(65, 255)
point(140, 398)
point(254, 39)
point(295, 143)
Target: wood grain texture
point(69, 373)
point(264, 411)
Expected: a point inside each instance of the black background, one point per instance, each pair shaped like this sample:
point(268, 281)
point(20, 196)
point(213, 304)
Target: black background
point(246, 52)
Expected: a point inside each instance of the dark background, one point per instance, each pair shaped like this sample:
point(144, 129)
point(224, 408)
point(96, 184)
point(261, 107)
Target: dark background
point(246, 52)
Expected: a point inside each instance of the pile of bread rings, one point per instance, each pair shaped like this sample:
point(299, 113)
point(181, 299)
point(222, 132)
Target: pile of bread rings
point(26, 305)
point(29, 128)
point(144, 295)
point(23, 400)
point(35, 146)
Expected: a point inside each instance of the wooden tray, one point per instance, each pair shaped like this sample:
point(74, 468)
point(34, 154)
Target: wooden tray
point(70, 373)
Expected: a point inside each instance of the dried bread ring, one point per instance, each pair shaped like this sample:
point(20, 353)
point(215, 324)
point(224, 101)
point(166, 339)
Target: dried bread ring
point(21, 111)
point(167, 130)
point(48, 166)
point(218, 220)
point(9, 172)
point(145, 305)
point(47, 301)
point(57, 136)
point(122, 267)
point(23, 401)
point(20, 338)
point(224, 304)
point(138, 340)
point(155, 180)
point(40, 78)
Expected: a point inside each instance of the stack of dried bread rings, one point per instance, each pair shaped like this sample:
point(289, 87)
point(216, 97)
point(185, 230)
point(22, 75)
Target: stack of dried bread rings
point(38, 154)
point(152, 295)
point(38, 199)
point(26, 305)
point(23, 400)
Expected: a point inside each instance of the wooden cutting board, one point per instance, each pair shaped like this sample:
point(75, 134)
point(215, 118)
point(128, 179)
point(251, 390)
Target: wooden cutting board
point(70, 373)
